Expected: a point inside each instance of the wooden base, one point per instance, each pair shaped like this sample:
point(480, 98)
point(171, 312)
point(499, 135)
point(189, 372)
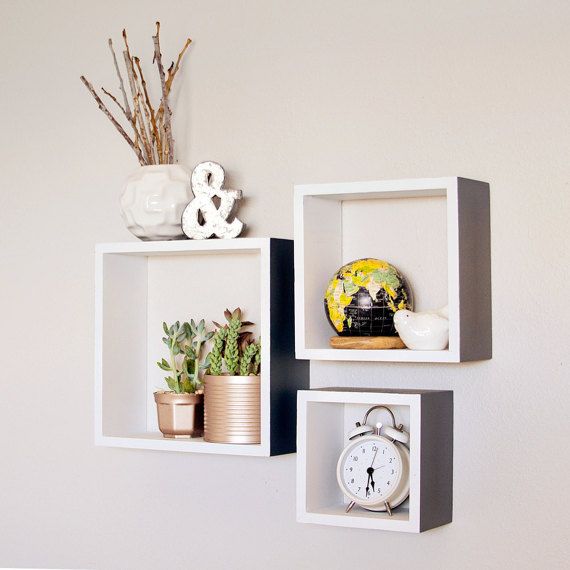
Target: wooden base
point(367, 342)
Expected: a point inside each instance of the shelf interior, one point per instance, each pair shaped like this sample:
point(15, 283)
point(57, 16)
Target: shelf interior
point(409, 232)
point(139, 293)
point(328, 424)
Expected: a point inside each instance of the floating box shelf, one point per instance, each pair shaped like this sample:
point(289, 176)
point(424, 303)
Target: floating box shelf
point(141, 284)
point(435, 230)
point(324, 418)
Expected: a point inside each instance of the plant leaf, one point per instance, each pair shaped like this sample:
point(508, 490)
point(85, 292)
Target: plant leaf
point(172, 384)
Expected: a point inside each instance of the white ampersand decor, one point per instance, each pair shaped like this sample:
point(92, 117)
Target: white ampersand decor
point(207, 182)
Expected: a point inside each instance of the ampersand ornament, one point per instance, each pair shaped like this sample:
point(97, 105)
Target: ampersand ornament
point(201, 218)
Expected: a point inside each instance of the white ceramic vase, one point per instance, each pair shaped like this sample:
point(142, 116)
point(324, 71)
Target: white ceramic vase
point(153, 200)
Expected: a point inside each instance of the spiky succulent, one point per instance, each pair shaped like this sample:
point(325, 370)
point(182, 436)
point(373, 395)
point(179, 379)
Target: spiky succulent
point(234, 347)
point(215, 357)
point(257, 359)
point(247, 358)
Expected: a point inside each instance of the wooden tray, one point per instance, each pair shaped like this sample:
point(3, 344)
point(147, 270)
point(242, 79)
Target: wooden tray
point(367, 342)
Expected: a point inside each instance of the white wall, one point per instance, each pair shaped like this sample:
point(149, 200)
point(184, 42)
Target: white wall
point(279, 93)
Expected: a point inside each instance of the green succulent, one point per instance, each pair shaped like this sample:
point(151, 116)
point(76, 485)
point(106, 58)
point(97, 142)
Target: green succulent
point(246, 361)
point(216, 355)
point(234, 349)
point(257, 359)
point(185, 343)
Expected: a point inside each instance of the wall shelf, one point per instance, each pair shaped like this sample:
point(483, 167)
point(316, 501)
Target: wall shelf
point(140, 284)
point(435, 230)
point(324, 417)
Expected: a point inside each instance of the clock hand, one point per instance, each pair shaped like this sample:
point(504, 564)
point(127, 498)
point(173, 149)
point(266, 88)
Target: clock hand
point(371, 464)
point(368, 484)
point(370, 481)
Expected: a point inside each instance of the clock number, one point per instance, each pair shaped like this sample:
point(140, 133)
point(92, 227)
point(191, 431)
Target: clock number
point(352, 480)
point(391, 459)
point(355, 458)
point(374, 448)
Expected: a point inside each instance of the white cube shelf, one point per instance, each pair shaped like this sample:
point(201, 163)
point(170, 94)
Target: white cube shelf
point(141, 284)
point(324, 418)
point(435, 230)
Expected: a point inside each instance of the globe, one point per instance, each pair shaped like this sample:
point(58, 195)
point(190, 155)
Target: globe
point(363, 296)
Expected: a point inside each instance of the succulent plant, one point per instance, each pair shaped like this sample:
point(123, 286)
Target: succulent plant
point(234, 349)
point(185, 343)
point(216, 355)
point(248, 355)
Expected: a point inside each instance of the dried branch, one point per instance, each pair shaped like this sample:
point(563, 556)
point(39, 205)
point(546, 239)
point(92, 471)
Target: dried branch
point(167, 111)
point(148, 135)
point(137, 118)
point(127, 109)
point(172, 70)
point(151, 125)
point(113, 98)
point(165, 146)
point(133, 123)
point(116, 124)
point(130, 75)
point(149, 111)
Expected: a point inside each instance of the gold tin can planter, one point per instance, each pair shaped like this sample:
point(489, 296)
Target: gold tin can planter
point(180, 415)
point(232, 409)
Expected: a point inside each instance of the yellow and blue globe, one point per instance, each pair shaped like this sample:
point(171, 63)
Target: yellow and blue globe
point(363, 296)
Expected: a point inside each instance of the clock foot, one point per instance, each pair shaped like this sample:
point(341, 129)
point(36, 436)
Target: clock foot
point(388, 508)
point(350, 505)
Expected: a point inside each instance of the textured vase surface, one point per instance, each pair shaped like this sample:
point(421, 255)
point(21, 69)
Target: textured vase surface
point(153, 201)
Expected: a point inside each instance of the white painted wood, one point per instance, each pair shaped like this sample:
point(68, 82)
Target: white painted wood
point(413, 224)
point(397, 355)
point(122, 343)
point(182, 246)
point(391, 230)
point(138, 285)
point(321, 256)
point(155, 441)
point(324, 419)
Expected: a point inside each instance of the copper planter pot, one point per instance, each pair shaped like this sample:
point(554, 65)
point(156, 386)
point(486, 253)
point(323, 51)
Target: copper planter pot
point(180, 415)
point(232, 409)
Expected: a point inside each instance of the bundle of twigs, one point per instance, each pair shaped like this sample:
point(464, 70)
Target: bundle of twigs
point(151, 138)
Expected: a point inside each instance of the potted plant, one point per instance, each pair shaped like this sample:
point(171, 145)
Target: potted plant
point(181, 408)
point(232, 386)
point(155, 196)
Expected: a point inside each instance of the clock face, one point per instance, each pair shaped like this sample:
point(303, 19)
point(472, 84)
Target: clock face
point(370, 470)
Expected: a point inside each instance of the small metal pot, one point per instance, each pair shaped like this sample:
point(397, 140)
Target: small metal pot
point(180, 415)
point(232, 409)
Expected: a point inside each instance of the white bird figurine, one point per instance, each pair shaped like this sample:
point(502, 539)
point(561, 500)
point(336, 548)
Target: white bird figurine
point(423, 331)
